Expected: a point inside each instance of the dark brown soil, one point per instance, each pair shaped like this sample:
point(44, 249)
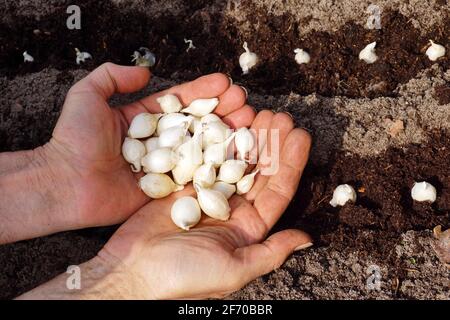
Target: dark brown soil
point(384, 205)
point(442, 94)
point(110, 34)
point(27, 264)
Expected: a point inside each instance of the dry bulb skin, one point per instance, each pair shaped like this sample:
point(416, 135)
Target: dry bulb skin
point(343, 194)
point(162, 146)
point(368, 53)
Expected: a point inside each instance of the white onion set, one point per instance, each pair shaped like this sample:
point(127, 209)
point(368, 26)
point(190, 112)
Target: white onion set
point(421, 192)
point(162, 147)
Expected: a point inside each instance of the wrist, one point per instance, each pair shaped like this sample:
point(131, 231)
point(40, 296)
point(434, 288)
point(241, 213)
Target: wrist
point(110, 278)
point(34, 198)
point(101, 278)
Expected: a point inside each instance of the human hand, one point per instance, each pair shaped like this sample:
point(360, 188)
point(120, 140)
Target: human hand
point(97, 184)
point(156, 260)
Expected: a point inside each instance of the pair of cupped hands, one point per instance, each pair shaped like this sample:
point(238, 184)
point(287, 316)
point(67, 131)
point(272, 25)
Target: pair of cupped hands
point(148, 257)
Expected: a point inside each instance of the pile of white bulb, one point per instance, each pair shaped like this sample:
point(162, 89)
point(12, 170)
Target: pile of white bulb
point(188, 144)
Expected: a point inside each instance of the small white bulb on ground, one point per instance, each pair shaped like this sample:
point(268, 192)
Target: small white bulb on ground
point(174, 136)
point(213, 203)
point(244, 141)
point(248, 59)
point(423, 191)
point(82, 56)
point(246, 183)
point(435, 51)
point(301, 56)
point(143, 125)
point(342, 194)
point(201, 107)
point(225, 188)
point(171, 120)
point(231, 171)
point(205, 175)
point(27, 57)
point(158, 185)
point(185, 212)
point(146, 60)
point(151, 144)
point(368, 53)
point(159, 161)
point(169, 103)
point(133, 150)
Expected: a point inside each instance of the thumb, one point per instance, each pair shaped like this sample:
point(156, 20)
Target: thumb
point(110, 78)
point(259, 259)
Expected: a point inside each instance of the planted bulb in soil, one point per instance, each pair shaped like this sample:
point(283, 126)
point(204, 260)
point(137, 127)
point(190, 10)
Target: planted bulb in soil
point(27, 57)
point(435, 51)
point(248, 59)
point(301, 56)
point(368, 53)
point(343, 194)
point(423, 192)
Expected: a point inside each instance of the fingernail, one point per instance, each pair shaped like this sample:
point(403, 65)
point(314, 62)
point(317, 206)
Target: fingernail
point(245, 90)
point(231, 81)
point(304, 246)
point(289, 114)
point(307, 129)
